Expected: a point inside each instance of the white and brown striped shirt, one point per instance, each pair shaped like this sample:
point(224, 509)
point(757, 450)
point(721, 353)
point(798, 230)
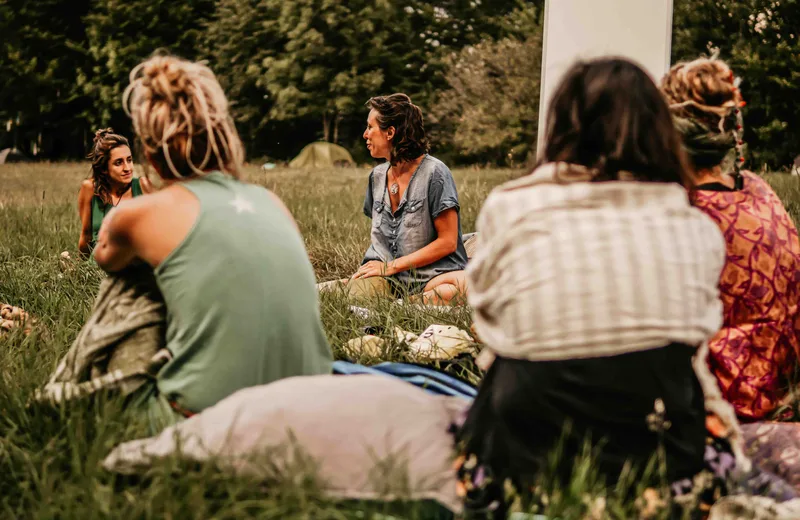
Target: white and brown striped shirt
point(573, 269)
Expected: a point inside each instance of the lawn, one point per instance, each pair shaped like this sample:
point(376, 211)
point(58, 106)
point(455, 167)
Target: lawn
point(49, 458)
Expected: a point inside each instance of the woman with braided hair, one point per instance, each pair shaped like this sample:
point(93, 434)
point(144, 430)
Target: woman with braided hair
point(112, 182)
point(755, 353)
point(238, 286)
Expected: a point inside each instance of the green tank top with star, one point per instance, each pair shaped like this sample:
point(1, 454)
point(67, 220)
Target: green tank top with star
point(100, 209)
point(241, 298)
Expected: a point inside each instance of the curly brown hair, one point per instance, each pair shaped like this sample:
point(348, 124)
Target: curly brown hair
point(398, 111)
point(105, 140)
point(609, 116)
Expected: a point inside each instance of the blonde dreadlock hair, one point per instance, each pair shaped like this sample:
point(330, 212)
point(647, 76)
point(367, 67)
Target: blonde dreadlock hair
point(705, 101)
point(180, 115)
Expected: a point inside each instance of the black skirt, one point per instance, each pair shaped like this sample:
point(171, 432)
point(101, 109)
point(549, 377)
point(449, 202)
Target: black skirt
point(525, 409)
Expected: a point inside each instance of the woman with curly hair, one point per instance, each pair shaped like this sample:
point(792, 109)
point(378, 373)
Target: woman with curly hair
point(416, 243)
point(755, 353)
point(112, 182)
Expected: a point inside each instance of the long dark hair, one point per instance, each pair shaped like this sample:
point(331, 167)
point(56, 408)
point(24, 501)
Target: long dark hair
point(398, 111)
point(105, 140)
point(608, 115)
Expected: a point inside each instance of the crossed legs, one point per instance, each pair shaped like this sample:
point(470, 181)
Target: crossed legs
point(441, 290)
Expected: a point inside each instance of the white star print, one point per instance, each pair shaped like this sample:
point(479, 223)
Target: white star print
point(242, 205)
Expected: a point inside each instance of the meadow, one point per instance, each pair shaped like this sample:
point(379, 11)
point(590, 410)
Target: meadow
point(49, 457)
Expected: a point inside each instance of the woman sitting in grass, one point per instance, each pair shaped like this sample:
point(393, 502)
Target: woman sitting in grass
point(112, 182)
point(755, 354)
point(416, 244)
point(238, 286)
point(594, 288)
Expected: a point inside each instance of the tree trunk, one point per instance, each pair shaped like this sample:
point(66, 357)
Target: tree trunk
point(326, 127)
point(336, 128)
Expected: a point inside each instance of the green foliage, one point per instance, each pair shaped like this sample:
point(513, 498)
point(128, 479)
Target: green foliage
point(761, 41)
point(318, 61)
point(40, 54)
point(122, 33)
point(490, 111)
point(301, 70)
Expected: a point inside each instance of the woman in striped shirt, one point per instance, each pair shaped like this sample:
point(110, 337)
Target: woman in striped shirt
point(594, 289)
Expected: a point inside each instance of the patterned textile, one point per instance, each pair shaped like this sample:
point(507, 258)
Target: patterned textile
point(736, 507)
point(485, 497)
point(121, 346)
point(755, 352)
point(775, 447)
point(579, 269)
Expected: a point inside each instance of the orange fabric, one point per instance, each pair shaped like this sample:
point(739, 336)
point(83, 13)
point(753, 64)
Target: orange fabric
point(756, 351)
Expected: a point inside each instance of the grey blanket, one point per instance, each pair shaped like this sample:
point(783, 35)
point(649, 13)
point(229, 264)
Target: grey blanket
point(121, 346)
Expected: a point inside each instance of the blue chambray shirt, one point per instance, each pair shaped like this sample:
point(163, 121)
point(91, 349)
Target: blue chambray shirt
point(431, 191)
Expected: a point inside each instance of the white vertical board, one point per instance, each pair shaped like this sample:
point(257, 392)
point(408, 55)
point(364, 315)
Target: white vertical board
point(640, 30)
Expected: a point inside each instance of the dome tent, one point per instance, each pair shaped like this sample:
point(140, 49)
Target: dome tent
point(322, 155)
point(12, 155)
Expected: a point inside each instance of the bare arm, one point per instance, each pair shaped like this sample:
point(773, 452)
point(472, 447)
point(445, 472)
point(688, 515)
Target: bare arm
point(283, 208)
point(114, 250)
point(85, 212)
point(446, 243)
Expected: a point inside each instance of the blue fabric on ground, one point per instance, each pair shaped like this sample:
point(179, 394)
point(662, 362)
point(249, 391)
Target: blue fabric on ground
point(428, 379)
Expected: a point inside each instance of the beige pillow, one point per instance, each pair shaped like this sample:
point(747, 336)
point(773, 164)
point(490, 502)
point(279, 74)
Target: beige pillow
point(368, 437)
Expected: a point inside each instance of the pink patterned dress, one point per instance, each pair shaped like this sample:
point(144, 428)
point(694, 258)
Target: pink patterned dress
point(755, 354)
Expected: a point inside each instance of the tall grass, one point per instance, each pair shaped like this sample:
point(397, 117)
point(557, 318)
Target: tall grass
point(49, 458)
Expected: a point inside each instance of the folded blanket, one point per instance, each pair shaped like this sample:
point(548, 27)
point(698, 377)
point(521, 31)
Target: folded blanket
point(121, 346)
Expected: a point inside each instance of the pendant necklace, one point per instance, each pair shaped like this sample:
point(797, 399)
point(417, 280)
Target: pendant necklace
point(121, 195)
point(394, 188)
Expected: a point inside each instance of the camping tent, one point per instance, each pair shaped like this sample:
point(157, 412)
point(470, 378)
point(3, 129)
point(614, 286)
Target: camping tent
point(11, 155)
point(322, 155)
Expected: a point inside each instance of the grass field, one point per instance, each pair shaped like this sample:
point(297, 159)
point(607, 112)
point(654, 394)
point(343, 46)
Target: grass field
point(49, 458)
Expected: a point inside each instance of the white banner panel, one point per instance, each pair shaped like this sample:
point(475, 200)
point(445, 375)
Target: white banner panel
point(640, 30)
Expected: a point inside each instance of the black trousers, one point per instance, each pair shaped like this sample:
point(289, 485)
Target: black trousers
point(525, 409)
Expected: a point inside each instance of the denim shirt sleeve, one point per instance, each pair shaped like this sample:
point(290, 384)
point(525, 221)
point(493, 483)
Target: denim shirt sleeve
point(442, 193)
point(368, 198)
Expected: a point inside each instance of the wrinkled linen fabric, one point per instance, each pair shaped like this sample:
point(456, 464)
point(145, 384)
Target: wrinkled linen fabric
point(122, 344)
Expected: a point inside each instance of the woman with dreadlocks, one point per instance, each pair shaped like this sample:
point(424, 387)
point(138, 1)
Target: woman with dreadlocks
point(755, 353)
point(228, 258)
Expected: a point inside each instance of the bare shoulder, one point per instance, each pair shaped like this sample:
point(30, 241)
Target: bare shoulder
point(168, 200)
point(86, 193)
point(87, 187)
point(282, 207)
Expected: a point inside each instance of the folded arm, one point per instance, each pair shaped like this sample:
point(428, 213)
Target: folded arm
point(114, 250)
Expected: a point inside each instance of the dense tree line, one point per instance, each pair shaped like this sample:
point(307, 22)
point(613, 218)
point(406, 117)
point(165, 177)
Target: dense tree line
point(301, 70)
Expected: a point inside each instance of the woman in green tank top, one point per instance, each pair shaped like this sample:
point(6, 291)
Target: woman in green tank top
point(240, 292)
point(112, 182)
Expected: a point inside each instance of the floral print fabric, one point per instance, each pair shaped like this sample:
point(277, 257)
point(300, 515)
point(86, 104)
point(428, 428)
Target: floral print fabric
point(755, 353)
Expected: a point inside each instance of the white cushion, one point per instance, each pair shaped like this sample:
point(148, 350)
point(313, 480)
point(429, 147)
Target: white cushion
point(369, 437)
